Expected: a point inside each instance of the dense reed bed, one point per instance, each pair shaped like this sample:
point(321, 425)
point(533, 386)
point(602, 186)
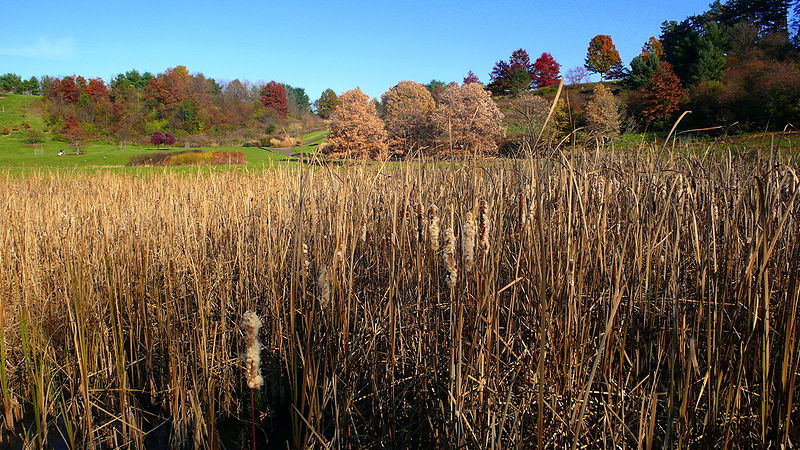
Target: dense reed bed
point(615, 300)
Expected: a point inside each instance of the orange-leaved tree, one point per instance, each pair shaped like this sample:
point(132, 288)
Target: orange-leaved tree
point(356, 130)
point(467, 121)
point(407, 110)
point(662, 95)
point(602, 56)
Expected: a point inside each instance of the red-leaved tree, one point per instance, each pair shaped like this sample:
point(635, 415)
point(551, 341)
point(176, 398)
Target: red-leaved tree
point(96, 89)
point(545, 71)
point(662, 95)
point(273, 96)
point(471, 78)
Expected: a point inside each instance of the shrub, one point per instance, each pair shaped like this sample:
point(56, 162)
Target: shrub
point(5, 131)
point(190, 158)
point(228, 157)
point(157, 138)
point(32, 136)
point(15, 128)
point(26, 125)
point(149, 159)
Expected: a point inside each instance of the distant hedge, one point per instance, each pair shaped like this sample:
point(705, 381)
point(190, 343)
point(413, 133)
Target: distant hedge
point(188, 158)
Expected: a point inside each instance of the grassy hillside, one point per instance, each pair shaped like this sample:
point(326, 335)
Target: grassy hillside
point(18, 156)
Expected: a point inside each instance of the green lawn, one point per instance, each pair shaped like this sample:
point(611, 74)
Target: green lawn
point(18, 157)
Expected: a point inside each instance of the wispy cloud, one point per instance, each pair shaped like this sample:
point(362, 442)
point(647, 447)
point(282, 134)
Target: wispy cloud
point(43, 48)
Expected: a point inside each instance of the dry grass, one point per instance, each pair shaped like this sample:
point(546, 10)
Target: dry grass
point(618, 301)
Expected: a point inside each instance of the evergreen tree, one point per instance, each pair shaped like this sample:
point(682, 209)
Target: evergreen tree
point(326, 104)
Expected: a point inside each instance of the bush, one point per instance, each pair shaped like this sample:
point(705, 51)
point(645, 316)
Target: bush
point(223, 157)
point(149, 159)
point(5, 131)
point(32, 136)
point(190, 158)
point(15, 128)
point(26, 125)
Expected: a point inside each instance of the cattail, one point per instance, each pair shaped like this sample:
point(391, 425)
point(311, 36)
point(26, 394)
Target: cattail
point(433, 227)
point(483, 224)
point(468, 242)
point(324, 285)
point(364, 232)
point(449, 257)
point(420, 223)
point(252, 354)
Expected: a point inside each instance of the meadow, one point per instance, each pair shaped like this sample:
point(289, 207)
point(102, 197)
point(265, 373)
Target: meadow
point(612, 299)
point(21, 158)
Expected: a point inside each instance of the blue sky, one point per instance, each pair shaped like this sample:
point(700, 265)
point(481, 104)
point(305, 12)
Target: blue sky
point(318, 44)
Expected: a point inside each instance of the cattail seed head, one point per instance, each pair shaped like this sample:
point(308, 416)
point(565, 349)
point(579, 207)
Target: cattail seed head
point(468, 242)
point(433, 227)
point(252, 354)
point(483, 224)
point(449, 257)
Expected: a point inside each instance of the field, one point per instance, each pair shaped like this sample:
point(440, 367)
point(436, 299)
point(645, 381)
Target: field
point(20, 158)
point(642, 300)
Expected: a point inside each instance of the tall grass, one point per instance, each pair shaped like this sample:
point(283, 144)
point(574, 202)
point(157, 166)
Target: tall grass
point(616, 300)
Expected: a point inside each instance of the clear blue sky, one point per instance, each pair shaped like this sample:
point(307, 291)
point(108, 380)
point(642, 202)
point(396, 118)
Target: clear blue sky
point(318, 44)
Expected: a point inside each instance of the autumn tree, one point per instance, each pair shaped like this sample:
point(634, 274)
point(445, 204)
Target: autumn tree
point(356, 130)
point(662, 95)
point(436, 88)
point(273, 96)
point(407, 110)
point(545, 71)
point(603, 115)
point(506, 76)
point(65, 90)
point(577, 75)
point(471, 78)
point(326, 103)
point(467, 121)
point(169, 89)
point(96, 89)
point(602, 56)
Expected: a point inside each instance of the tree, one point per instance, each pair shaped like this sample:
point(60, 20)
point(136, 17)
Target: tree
point(10, 82)
point(273, 96)
point(642, 69)
point(662, 95)
point(407, 110)
point(471, 78)
point(499, 78)
point(653, 48)
point(65, 90)
point(710, 49)
point(771, 16)
point(603, 115)
point(326, 104)
point(356, 130)
point(602, 56)
point(169, 89)
point(169, 139)
point(546, 71)
point(577, 75)
point(157, 138)
point(436, 88)
point(503, 72)
point(519, 82)
point(96, 89)
point(467, 121)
